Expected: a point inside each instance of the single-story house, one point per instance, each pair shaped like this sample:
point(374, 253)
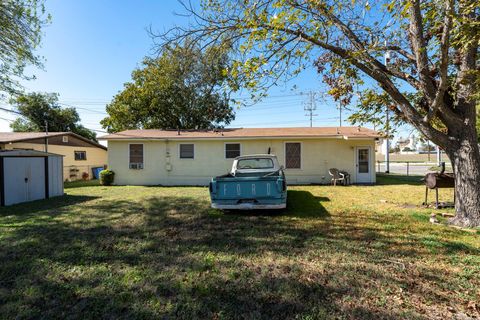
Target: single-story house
point(79, 154)
point(171, 157)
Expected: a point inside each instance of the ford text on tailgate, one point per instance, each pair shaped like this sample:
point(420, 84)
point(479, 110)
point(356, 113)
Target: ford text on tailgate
point(255, 182)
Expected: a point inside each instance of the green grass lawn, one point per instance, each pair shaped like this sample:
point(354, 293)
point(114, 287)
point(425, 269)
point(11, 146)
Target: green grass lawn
point(358, 252)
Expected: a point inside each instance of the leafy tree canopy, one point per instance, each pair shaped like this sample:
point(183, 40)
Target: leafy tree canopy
point(21, 22)
point(40, 109)
point(418, 58)
point(184, 88)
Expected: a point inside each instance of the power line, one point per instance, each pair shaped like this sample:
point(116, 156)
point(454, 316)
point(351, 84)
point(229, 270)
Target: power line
point(81, 108)
point(16, 112)
point(280, 122)
point(8, 120)
point(9, 110)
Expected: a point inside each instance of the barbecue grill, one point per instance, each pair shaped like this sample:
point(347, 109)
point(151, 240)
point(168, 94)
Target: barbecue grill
point(436, 180)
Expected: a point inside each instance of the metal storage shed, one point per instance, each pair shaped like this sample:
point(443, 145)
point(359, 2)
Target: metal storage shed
point(27, 175)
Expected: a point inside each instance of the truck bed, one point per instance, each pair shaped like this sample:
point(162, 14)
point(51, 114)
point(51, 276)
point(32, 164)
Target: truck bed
point(248, 192)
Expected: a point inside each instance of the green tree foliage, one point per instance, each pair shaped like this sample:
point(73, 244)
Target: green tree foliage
point(184, 88)
point(429, 78)
point(39, 109)
point(21, 22)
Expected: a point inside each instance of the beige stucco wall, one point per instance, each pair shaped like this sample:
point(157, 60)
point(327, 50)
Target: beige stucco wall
point(162, 164)
point(96, 157)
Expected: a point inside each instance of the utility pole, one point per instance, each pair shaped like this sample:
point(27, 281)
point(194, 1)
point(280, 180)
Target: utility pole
point(310, 107)
point(387, 142)
point(439, 155)
point(340, 111)
point(428, 146)
point(46, 136)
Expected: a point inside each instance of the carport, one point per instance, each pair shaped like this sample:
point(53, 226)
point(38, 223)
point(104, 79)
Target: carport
point(28, 175)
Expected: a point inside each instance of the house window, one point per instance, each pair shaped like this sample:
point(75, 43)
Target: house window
point(232, 150)
point(187, 151)
point(65, 139)
point(136, 156)
point(293, 151)
point(80, 155)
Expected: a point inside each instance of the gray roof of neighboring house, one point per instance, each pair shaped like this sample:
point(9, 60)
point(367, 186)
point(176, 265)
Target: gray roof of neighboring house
point(26, 153)
point(7, 137)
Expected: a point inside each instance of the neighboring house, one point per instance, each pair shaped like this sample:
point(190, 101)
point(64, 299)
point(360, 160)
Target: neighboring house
point(164, 157)
point(80, 154)
point(407, 145)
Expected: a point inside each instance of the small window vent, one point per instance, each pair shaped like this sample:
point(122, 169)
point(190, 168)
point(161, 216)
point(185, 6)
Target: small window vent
point(65, 139)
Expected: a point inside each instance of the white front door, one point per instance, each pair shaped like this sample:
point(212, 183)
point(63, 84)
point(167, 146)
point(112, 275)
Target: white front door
point(363, 160)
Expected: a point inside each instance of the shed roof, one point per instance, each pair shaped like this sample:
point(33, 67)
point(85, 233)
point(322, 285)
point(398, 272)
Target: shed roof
point(234, 133)
point(27, 153)
point(7, 137)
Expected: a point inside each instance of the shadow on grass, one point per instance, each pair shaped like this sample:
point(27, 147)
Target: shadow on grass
point(300, 204)
point(174, 257)
point(396, 179)
point(51, 204)
point(304, 204)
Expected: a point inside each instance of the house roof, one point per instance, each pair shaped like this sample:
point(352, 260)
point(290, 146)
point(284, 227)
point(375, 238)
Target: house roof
point(239, 133)
point(7, 137)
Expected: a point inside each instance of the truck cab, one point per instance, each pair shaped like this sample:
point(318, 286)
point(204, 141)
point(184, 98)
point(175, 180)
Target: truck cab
point(254, 182)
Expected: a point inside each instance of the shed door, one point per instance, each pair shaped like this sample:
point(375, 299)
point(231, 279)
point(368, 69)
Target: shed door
point(24, 179)
point(36, 178)
point(15, 186)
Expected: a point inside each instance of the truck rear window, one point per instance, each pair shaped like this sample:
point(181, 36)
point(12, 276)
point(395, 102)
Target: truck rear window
point(256, 163)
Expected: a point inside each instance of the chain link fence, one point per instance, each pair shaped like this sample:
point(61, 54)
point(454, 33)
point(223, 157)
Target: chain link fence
point(409, 168)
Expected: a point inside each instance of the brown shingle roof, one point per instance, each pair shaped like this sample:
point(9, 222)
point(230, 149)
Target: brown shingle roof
point(303, 132)
point(7, 137)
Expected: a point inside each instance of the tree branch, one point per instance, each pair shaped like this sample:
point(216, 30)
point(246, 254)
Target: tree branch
point(438, 103)
point(363, 51)
point(385, 83)
point(419, 48)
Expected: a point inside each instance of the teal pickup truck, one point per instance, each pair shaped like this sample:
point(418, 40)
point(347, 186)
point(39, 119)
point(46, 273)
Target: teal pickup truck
point(254, 182)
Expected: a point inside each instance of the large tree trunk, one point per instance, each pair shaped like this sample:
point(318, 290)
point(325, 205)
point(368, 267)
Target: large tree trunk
point(465, 157)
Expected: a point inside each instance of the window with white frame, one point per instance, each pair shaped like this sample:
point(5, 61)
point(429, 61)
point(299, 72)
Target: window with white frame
point(232, 150)
point(80, 155)
point(293, 155)
point(136, 156)
point(187, 151)
point(64, 139)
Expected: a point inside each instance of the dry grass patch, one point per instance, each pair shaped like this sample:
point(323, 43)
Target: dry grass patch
point(144, 252)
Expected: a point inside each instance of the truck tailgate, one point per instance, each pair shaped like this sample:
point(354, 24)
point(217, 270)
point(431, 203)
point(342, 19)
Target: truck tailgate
point(247, 188)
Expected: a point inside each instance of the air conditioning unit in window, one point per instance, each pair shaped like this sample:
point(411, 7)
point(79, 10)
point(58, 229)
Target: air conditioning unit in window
point(136, 166)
